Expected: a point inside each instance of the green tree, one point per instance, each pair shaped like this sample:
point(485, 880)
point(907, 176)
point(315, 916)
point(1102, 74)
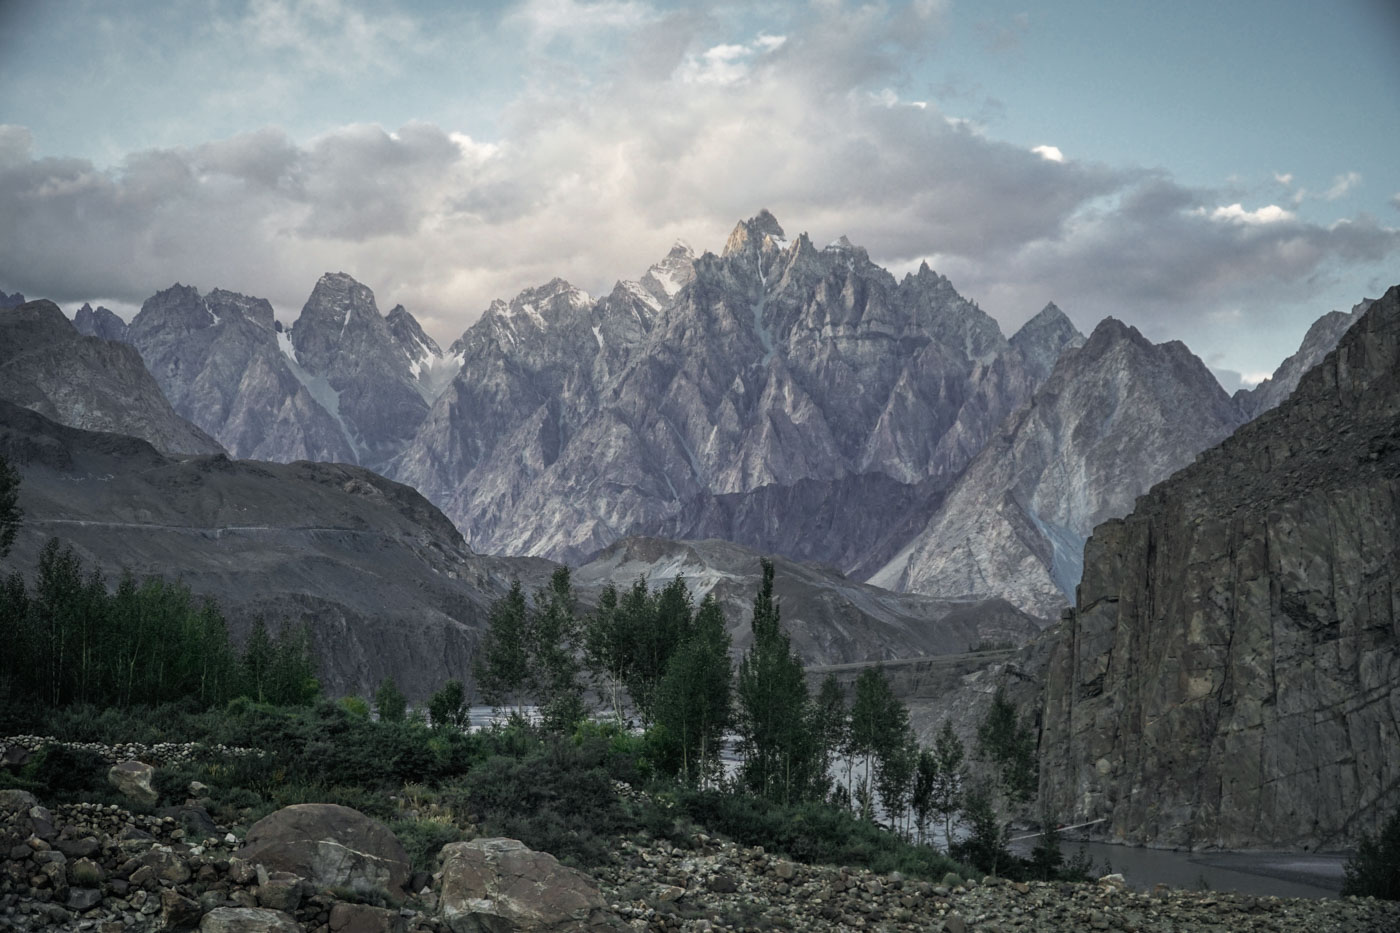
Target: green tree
point(448, 706)
point(292, 676)
point(985, 845)
point(1046, 859)
point(258, 654)
point(389, 701)
point(921, 801)
point(607, 648)
point(552, 648)
point(1005, 743)
point(831, 723)
point(781, 755)
point(692, 699)
point(502, 664)
point(880, 735)
point(1374, 871)
point(946, 793)
point(10, 512)
point(656, 625)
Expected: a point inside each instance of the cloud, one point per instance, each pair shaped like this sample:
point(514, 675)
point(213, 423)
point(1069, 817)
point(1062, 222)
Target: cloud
point(1395, 200)
point(1342, 184)
point(1235, 213)
point(1284, 178)
point(689, 124)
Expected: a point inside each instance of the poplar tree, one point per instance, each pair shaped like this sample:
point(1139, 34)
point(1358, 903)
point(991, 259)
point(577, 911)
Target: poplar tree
point(781, 755)
point(502, 664)
point(10, 512)
point(692, 699)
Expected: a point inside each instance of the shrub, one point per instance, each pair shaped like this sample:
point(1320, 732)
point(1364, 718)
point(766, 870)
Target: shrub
point(1374, 870)
point(424, 839)
point(355, 706)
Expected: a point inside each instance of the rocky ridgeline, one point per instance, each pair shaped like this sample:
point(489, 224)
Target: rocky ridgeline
point(15, 748)
point(92, 867)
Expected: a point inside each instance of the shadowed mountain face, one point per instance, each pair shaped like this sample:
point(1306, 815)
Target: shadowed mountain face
point(1321, 337)
point(1231, 675)
point(832, 620)
point(776, 366)
point(87, 382)
point(1117, 415)
point(381, 577)
point(101, 322)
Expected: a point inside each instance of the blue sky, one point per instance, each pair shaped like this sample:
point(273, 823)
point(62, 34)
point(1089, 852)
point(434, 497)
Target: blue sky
point(1219, 173)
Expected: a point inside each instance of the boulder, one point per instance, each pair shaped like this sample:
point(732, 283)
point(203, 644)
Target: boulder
point(330, 846)
point(362, 918)
point(178, 912)
point(500, 885)
point(134, 780)
point(247, 920)
point(17, 801)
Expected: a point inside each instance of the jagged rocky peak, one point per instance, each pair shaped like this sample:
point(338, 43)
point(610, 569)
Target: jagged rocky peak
point(32, 324)
point(1321, 337)
point(750, 235)
point(666, 278)
point(224, 304)
point(337, 305)
point(99, 322)
point(11, 301)
point(1044, 337)
point(409, 335)
point(950, 317)
point(172, 312)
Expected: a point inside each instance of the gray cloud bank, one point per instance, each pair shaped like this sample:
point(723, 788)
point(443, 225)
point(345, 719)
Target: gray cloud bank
point(592, 180)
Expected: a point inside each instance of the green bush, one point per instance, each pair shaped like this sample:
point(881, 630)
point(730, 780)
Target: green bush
point(424, 839)
point(1374, 871)
point(811, 832)
point(68, 774)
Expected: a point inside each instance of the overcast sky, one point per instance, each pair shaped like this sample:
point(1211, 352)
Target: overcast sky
point(1219, 173)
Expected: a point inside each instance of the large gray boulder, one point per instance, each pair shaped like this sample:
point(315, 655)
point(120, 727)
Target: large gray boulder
point(247, 920)
point(133, 779)
point(330, 846)
point(501, 886)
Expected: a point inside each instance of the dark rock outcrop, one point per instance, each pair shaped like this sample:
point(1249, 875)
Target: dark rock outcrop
point(86, 382)
point(1231, 674)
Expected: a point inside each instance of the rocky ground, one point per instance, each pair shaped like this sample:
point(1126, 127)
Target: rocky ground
point(104, 868)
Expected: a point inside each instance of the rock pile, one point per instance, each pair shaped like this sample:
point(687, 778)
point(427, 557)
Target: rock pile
point(90, 867)
point(161, 754)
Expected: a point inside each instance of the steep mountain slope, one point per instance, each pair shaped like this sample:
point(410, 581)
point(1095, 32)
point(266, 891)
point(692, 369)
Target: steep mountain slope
point(1231, 675)
point(1321, 337)
point(431, 370)
point(383, 579)
point(776, 365)
point(217, 359)
point(359, 372)
point(87, 382)
point(101, 322)
point(832, 620)
point(1116, 416)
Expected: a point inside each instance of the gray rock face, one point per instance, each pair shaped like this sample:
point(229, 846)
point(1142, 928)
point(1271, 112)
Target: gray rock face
point(1044, 338)
point(330, 846)
point(366, 379)
point(248, 920)
point(86, 382)
point(1321, 337)
point(573, 423)
point(381, 577)
point(1231, 674)
point(11, 301)
point(431, 370)
point(99, 323)
point(501, 885)
point(217, 360)
point(832, 620)
point(1116, 416)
